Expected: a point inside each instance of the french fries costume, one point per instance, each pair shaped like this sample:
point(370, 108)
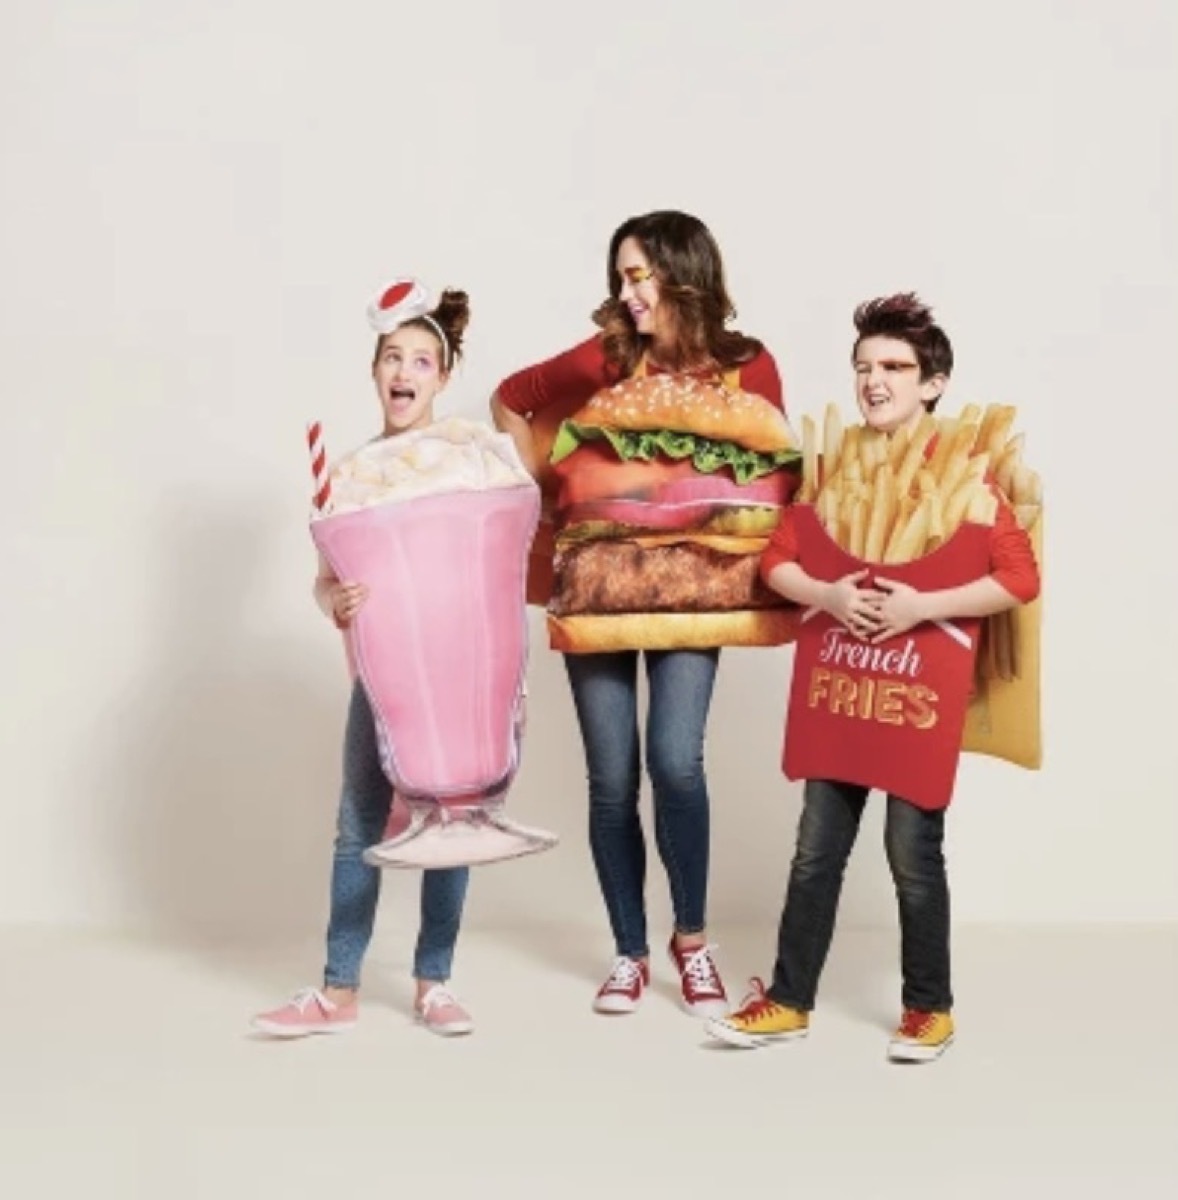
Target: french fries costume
point(437, 523)
point(665, 489)
point(926, 508)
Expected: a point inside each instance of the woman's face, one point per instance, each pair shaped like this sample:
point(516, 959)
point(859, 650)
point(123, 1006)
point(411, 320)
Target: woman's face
point(639, 290)
point(408, 375)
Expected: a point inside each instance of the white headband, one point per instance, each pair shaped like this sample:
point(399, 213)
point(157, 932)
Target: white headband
point(402, 301)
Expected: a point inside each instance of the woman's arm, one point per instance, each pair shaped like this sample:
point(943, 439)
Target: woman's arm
point(520, 430)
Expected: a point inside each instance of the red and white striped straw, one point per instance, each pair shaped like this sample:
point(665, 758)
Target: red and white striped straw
point(322, 497)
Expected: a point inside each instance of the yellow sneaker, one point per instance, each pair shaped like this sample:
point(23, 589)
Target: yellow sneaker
point(922, 1036)
point(759, 1021)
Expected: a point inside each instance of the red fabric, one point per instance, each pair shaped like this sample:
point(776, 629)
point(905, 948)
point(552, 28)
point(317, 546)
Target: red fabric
point(888, 716)
point(577, 374)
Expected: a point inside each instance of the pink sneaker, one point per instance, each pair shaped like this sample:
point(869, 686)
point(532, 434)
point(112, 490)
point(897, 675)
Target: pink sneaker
point(306, 1012)
point(622, 991)
point(440, 1012)
point(703, 991)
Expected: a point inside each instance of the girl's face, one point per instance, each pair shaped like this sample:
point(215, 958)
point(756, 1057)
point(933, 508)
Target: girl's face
point(888, 387)
point(408, 375)
point(639, 290)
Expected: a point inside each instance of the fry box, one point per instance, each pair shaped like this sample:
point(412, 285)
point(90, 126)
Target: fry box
point(1005, 715)
point(888, 716)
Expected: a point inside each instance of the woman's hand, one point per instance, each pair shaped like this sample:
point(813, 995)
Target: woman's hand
point(855, 608)
point(346, 599)
point(899, 608)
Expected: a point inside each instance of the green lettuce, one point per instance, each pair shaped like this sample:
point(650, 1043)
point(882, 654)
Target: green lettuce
point(706, 454)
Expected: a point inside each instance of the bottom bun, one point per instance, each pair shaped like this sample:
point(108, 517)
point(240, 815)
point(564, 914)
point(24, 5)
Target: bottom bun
point(673, 631)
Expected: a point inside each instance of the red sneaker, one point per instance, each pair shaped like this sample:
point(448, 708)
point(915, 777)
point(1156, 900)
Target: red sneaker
point(622, 991)
point(703, 991)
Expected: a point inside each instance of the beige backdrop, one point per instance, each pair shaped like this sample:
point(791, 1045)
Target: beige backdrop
point(198, 202)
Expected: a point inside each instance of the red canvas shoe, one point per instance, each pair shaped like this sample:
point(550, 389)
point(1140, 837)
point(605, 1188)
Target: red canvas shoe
point(702, 989)
point(622, 991)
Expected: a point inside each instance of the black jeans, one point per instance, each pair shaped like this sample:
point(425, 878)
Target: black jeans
point(826, 832)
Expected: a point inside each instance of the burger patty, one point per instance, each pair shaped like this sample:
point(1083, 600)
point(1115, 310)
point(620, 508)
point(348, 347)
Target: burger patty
point(611, 576)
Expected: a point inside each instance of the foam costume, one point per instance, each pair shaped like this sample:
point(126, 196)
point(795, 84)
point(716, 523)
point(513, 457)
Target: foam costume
point(897, 715)
point(664, 490)
point(437, 523)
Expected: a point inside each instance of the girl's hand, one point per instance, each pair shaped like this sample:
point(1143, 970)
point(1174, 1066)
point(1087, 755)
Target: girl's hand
point(899, 608)
point(854, 607)
point(346, 599)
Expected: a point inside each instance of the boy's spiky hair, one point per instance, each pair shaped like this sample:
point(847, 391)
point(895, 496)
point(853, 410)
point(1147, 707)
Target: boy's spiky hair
point(907, 318)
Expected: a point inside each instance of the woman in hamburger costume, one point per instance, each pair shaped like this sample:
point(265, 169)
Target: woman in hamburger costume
point(665, 458)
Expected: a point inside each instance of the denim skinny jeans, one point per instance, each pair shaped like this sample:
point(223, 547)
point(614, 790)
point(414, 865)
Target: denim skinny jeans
point(605, 688)
point(365, 799)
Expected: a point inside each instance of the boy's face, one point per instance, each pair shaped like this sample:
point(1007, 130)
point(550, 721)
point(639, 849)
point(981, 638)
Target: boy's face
point(888, 387)
point(408, 375)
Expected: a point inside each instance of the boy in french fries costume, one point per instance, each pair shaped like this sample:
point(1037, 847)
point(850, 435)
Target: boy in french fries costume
point(900, 546)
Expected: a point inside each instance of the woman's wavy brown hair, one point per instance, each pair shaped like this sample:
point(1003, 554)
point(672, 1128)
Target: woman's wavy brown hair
point(452, 313)
point(690, 272)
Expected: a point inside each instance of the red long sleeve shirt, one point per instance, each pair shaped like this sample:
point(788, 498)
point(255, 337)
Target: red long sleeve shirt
point(577, 374)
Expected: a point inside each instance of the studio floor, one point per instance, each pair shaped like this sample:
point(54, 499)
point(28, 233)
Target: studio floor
point(128, 1070)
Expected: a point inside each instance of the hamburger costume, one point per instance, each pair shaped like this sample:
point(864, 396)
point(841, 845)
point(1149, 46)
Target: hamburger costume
point(661, 492)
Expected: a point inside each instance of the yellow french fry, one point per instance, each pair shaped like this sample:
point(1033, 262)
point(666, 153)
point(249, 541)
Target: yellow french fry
point(971, 414)
point(958, 457)
point(1027, 515)
point(915, 455)
point(982, 508)
point(1009, 457)
point(828, 510)
point(946, 428)
point(809, 487)
point(909, 537)
point(992, 441)
point(858, 529)
point(957, 501)
point(832, 434)
point(883, 501)
point(897, 445)
point(987, 424)
point(936, 520)
point(850, 447)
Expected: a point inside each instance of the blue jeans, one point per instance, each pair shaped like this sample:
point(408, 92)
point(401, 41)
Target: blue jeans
point(365, 799)
point(605, 688)
point(826, 832)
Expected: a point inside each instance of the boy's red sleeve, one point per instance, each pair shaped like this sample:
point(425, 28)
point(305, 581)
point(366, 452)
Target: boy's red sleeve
point(761, 377)
point(573, 376)
point(782, 546)
point(1012, 558)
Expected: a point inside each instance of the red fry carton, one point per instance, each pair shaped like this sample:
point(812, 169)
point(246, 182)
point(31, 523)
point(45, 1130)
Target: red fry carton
point(888, 716)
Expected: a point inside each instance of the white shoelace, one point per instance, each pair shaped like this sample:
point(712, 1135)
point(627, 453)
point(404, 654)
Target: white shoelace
point(304, 999)
point(437, 996)
point(623, 973)
point(701, 971)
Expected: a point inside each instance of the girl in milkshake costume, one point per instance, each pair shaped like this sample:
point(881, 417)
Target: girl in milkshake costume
point(411, 366)
point(664, 323)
